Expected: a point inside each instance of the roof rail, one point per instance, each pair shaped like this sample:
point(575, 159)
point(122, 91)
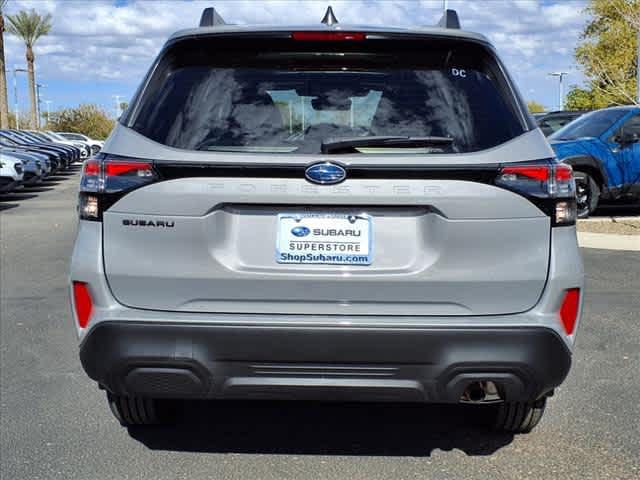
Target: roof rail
point(449, 20)
point(211, 18)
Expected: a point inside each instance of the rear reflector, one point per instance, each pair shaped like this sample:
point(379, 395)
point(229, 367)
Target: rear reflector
point(328, 36)
point(569, 310)
point(83, 303)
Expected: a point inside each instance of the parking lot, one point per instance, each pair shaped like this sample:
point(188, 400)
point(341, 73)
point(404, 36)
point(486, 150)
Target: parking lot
point(55, 422)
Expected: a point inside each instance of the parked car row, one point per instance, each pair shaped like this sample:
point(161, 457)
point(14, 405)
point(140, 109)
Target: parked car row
point(551, 122)
point(94, 145)
point(27, 157)
point(603, 147)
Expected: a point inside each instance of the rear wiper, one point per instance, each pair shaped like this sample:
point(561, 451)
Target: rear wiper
point(351, 144)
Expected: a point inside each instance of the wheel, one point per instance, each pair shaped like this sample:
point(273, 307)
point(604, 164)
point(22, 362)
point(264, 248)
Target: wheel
point(587, 194)
point(519, 417)
point(135, 410)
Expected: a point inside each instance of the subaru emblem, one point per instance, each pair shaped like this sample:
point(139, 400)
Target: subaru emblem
point(325, 173)
point(300, 231)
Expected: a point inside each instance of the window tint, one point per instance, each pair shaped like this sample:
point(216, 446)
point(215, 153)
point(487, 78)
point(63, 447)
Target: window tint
point(294, 101)
point(632, 125)
point(553, 124)
point(592, 124)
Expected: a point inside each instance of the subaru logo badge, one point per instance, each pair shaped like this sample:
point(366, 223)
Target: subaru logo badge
point(300, 231)
point(325, 173)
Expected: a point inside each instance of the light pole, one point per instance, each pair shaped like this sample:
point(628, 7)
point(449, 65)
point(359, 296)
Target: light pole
point(48, 102)
point(38, 87)
point(15, 93)
point(117, 99)
point(560, 76)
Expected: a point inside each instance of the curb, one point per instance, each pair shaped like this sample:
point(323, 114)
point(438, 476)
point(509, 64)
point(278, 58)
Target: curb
point(609, 241)
point(610, 219)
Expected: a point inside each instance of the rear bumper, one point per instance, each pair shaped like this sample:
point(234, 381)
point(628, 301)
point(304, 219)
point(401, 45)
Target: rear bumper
point(177, 360)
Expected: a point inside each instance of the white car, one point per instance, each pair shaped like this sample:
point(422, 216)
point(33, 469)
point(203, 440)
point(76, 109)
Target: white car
point(11, 173)
point(33, 169)
point(85, 150)
point(95, 145)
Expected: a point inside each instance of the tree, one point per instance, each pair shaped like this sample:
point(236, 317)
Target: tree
point(580, 99)
point(4, 104)
point(608, 52)
point(23, 120)
point(535, 107)
point(88, 119)
point(29, 27)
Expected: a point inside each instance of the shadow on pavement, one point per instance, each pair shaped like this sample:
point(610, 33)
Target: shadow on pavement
point(7, 206)
point(72, 170)
point(41, 187)
point(16, 196)
point(304, 428)
point(58, 177)
point(618, 210)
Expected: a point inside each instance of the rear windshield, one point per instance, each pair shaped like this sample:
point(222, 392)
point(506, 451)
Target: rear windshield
point(290, 96)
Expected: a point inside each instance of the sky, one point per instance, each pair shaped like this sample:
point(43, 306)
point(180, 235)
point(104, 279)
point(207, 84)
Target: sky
point(100, 49)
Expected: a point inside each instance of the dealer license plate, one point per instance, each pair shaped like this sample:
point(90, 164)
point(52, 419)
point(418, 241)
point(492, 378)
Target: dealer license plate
point(334, 239)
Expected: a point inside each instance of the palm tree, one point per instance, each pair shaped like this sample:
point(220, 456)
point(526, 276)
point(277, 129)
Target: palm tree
point(4, 105)
point(30, 26)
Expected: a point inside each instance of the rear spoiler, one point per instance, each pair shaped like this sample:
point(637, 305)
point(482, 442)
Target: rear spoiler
point(211, 18)
point(449, 20)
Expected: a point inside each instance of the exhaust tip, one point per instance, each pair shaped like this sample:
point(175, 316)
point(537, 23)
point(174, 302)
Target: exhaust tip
point(485, 391)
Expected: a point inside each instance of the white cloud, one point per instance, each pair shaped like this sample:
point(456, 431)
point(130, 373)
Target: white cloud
point(103, 41)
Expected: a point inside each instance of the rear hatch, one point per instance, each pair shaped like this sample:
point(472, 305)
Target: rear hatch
point(232, 218)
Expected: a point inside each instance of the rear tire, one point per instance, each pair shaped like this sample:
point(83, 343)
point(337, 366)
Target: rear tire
point(519, 417)
point(587, 193)
point(131, 411)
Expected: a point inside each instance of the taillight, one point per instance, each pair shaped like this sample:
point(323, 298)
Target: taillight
point(328, 36)
point(83, 303)
point(524, 172)
point(569, 310)
point(549, 185)
point(107, 178)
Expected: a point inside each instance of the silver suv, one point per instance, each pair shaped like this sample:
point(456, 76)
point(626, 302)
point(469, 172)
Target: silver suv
point(331, 213)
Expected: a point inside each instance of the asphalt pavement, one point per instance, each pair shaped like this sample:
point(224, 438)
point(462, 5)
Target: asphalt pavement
point(55, 423)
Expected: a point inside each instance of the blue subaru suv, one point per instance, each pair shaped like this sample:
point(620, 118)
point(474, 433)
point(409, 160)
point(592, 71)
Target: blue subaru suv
point(604, 150)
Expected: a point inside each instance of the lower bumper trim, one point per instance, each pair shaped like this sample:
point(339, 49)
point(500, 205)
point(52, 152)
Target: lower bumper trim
point(322, 363)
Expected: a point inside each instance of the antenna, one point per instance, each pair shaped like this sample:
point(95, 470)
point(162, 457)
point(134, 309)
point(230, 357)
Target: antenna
point(329, 18)
point(211, 18)
point(449, 20)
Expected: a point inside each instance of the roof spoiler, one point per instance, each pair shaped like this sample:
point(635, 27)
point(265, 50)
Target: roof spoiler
point(449, 20)
point(211, 18)
point(329, 18)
